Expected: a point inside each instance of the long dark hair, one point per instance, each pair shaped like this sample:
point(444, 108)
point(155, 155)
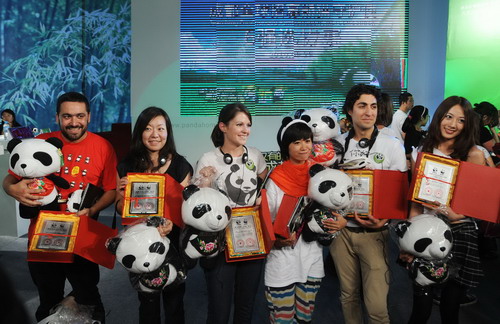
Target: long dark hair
point(416, 114)
point(226, 115)
point(297, 131)
point(385, 108)
point(487, 109)
point(464, 141)
point(139, 154)
point(11, 112)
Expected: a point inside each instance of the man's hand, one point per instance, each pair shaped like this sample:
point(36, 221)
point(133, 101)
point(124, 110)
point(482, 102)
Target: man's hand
point(334, 226)
point(371, 222)
point(21, 192)
point(165, 227)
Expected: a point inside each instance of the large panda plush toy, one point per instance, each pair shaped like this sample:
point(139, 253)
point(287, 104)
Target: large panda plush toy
point(325, 128)
point(38, 159)
point(150, 258)
point(206, 213)
point(331, 191)
point(429, 239)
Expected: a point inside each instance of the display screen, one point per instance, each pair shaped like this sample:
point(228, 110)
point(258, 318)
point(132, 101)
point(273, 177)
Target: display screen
point(276, 56)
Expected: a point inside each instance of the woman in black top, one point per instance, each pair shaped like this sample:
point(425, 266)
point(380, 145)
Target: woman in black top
point(418, 117)
point(153, 151)
point(8, 116)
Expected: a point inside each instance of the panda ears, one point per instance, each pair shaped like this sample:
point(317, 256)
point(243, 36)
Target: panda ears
point(313, 170)
point(189, 191)
point(13, 143)
point(286, 121)
point(401, 228)
point(112, 244)
point(55, 141)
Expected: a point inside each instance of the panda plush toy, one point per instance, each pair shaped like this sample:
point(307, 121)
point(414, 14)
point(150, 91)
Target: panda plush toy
point(152, 261)
point(206, 213)
point(38, 159)
point(429, 239)
point(331, 191)
point(325, 128)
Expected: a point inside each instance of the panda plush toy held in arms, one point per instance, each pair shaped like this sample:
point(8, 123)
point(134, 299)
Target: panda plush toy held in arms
point(150, 258)
point(331, 192)
point(429, 239)
point(206, 213)
point(325, 128)
point(38, 159)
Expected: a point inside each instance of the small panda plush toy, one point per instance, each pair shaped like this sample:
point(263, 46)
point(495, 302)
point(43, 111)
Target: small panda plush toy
point(38, 159)
point(325, 128)
point(151, 259)
point(430, 240)
point(331, 191)
point(206, 213)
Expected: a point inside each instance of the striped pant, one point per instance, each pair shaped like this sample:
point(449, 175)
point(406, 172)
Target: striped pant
point(293, 303)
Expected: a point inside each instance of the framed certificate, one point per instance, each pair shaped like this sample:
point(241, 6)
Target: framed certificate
point(55, 233)
point(244, 234)
point(144, 196)
point(362, 197)
point(435, 179)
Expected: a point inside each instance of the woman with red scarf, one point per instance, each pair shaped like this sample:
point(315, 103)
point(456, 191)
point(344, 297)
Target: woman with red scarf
point(294, 268)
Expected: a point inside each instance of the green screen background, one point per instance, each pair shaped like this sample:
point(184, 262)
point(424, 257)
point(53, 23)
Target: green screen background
point(473, 51)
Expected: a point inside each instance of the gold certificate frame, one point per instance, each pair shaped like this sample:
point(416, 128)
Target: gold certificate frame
point(144, 195)
point(362, 193)
point(55, 233)
point(244, 234)
point(435, 179)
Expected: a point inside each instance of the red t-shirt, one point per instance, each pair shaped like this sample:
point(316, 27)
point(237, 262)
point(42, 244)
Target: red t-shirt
point(92, 160)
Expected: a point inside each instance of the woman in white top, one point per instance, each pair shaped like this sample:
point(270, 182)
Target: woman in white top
point(236, 171)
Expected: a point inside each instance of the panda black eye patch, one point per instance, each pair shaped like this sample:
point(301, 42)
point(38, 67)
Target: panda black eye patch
point(157, 247)
point(228, 212)
point(326, 185)
point(43, 157)
point(201, 210)
point(422, 244)
point(13, 160)
point(329, 121)
point(128, 261)
point(448, 235)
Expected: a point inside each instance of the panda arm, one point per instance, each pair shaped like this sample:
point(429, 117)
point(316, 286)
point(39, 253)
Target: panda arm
point(19, 190)
point(58, 181)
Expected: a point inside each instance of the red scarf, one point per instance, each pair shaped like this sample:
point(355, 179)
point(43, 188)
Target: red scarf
point(292, 178)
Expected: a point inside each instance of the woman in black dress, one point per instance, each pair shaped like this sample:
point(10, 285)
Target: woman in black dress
point(153, 151)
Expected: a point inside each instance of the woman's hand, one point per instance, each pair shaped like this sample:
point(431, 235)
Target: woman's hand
point(446, 211)
point(282, 242)
point(122, 184)
point(165, 227)
point(370, 222)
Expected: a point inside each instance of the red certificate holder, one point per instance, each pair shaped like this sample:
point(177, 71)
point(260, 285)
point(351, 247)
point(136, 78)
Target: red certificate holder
point(289, 208)
point(264, 231)
point(475, 193)
point(59, 235)
point(389, 193)
point(168, 201)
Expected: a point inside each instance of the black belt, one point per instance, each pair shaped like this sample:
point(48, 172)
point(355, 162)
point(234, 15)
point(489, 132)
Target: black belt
point(365, 230)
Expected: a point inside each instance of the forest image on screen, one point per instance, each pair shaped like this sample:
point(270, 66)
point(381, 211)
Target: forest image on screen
point(276, 56)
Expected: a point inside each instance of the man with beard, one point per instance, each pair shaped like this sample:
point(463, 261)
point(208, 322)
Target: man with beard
point(88, 158)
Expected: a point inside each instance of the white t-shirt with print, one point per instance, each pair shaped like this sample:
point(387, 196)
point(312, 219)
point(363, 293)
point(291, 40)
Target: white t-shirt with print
point(238, 179)
point(287, 265)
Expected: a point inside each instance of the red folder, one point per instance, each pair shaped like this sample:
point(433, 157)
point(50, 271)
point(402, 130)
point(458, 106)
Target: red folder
point(285, 212)
point(89, 243)
point(390, 192)
point(476, 191)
